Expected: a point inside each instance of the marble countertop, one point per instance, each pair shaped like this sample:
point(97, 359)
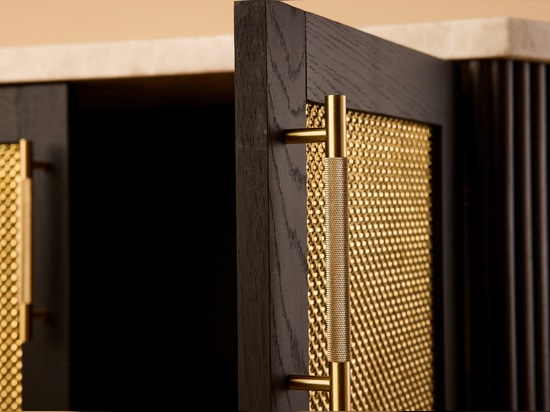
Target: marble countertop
point(498, 37)
point(140, 58)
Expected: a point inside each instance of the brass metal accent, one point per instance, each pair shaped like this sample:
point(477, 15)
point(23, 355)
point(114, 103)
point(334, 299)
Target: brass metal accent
point(16, 315)
point(309, 383)
point(340, 397)
point(11, 261)
point(390, 215)
point(25, 268)
point(337, 255)
point(337, 259)
point(305, 136)
point(336, 126)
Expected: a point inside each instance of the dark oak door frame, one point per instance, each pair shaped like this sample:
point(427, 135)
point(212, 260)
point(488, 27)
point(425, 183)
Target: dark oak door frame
point(284, 58)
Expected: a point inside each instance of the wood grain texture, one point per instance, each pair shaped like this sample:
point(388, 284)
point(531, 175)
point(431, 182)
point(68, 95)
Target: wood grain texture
point(271, 207)
point(375, 75)
point(38, 113)
point(252, 217)
point(286, 100)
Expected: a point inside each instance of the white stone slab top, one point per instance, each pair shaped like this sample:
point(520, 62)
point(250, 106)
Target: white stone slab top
point(140, 58)
point(498, 37)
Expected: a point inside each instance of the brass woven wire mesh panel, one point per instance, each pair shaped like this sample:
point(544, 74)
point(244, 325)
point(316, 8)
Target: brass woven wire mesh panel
point(390, 263)
point(10, 348)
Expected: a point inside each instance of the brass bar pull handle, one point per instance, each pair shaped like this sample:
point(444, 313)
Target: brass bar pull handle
point(310, 383)
point(305, 136)
point(337, 243)
point(25, 266)
point(337, 251)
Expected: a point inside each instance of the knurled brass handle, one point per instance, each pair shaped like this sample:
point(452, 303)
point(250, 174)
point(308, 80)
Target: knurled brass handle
point(334, 135)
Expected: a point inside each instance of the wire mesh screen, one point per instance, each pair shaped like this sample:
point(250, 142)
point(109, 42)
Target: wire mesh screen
point(390, 212)
point(10, 231)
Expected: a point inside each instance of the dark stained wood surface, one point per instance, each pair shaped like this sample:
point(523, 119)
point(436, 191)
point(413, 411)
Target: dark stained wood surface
point(287, 202)
point(376, 76)
point(252, 237)
point(540, 228)
point(271, 207)
point(38, 113)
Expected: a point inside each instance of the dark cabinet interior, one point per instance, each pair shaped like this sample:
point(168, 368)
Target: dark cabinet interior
point(152, 243)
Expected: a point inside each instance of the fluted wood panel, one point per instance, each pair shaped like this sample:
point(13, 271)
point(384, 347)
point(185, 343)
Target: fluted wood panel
point(540, 235)
point(504, 165)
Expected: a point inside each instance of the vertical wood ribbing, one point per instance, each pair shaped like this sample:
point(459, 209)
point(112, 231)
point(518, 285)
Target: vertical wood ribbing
point(489, 180)
point(540, 233)
point(478, 107)
point(503, 145)
point(507, 247)
point(523, 231)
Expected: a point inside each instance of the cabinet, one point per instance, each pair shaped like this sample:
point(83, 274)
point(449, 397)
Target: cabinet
point(141, 231)
point(152, 242)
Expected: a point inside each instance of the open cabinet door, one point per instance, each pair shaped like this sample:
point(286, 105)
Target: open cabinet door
point(401, 349)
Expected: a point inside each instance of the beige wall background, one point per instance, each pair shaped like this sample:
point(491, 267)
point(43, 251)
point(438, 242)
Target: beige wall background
point(33, 22)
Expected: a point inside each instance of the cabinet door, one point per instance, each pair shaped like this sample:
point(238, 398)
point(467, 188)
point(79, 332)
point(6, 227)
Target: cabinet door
point(38, 113)
point(286, 62)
